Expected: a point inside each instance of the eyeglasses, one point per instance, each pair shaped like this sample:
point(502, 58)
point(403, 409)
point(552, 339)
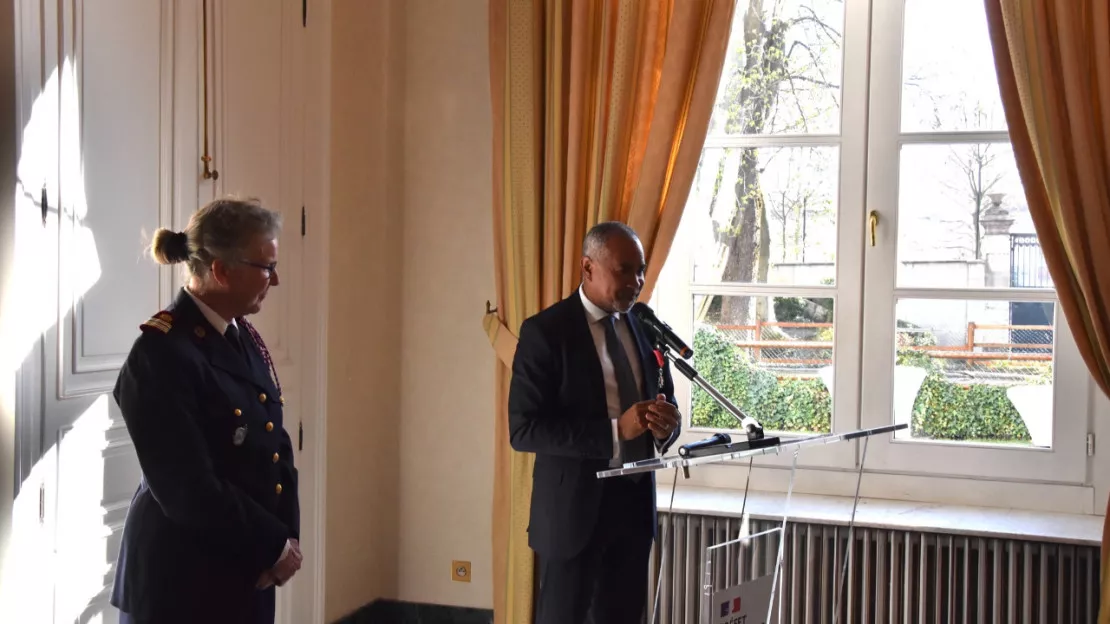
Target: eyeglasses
point(269, 268)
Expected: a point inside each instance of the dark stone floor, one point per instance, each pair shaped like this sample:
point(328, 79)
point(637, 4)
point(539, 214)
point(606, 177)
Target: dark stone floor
point(395, 612)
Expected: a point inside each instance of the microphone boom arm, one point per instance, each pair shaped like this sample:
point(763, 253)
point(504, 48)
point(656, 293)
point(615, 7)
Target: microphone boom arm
point(751, 426)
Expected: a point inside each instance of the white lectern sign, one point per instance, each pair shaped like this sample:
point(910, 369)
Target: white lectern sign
point(745, 603)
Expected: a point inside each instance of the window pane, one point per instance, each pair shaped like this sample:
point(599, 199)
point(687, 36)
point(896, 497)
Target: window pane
point(771, 356)
point(975, 371)
point(765, 215)
point(783, 72)
point(948, 77)
point(963, 221)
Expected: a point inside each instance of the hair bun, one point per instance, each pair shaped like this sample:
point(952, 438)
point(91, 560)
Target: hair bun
point(170, 247)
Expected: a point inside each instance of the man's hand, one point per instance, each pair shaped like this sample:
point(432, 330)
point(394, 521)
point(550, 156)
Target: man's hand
point(284, 569)
point(634, 421)
point(662, 417)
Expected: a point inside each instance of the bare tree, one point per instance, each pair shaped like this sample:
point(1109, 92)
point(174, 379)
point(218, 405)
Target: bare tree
point(978, 177)
point(979, 180)
point(781, 209)
point(797, 197)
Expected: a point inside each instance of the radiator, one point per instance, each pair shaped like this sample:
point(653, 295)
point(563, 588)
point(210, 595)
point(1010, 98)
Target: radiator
point(894, 576)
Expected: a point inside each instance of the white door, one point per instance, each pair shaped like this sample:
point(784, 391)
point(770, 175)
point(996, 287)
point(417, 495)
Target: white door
point(256, 116)
point(110, 145)
point(96, 150)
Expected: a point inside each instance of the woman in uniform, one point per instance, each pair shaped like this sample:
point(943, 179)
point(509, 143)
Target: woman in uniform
point(214, 524)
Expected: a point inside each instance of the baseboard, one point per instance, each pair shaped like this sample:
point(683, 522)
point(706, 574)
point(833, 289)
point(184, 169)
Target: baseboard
point(397, 612)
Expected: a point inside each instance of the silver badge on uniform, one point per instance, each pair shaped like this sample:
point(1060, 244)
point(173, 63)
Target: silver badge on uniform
point(239, 436)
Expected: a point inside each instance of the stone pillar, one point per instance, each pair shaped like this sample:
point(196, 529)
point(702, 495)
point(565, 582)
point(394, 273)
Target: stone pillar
point(996, 222)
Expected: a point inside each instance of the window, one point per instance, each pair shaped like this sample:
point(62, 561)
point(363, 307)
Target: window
point(856, 249)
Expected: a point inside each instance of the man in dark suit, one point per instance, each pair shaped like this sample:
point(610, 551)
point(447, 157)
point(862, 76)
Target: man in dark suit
point(588, 393)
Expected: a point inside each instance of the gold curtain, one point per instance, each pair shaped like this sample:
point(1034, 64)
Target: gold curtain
point(600, 110)
point(1053, 62)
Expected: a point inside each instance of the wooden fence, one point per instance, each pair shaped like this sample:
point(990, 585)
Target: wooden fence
point(972, 350)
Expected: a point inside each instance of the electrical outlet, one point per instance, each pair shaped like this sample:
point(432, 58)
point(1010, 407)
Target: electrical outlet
point(460, 571)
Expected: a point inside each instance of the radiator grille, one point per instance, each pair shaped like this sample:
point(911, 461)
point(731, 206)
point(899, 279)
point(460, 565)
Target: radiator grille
point(893, 576)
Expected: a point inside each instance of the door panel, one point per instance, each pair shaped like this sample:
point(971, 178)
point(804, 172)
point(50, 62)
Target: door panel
point(257, 105)
point(258, 145)
point(95, 147)
point(258, 153)
point(110, 198)
point(109, 185)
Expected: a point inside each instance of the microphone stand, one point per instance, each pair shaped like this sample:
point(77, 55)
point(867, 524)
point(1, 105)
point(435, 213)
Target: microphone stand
point(751, 426)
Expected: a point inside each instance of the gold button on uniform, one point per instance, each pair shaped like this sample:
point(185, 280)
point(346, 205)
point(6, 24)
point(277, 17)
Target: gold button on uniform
point(275, 457)
point(282, 399)
point(278, 488)
point(262, 397)
point(269, 426)
point(238, 412)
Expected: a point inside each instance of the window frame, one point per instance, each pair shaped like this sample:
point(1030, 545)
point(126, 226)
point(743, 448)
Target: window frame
point(869, 142)
point(1066, 460)
point(675, 291)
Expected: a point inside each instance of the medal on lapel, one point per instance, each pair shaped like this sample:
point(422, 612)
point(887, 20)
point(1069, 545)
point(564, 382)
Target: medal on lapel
point(659, 361)
point(239, 436)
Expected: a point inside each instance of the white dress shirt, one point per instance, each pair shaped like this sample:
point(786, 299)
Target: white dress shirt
point(217, 321)
point(595, 315)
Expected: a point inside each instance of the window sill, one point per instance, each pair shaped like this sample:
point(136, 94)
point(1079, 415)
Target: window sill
point(986, 522)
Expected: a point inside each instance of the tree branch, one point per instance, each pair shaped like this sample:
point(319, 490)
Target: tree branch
point(820, 83)
point(831, 32)
point(813, 56)
point(798, 103)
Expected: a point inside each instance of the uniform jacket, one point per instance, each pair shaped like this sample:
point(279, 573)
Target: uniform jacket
point(218, 495)
point(558, 410)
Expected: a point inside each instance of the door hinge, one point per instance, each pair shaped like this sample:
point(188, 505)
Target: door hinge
point(1090, 445)
point(42, 503)
point(304, 223)
point(300, 436)
point(304, 13)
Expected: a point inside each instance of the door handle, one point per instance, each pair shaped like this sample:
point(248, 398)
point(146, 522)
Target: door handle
point(873, 223)
point(44, 205)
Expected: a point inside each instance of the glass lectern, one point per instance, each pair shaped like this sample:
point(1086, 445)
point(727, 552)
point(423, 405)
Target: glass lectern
point(733, 590)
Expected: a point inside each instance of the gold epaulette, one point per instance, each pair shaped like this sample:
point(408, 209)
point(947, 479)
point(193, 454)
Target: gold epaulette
point(163, 322)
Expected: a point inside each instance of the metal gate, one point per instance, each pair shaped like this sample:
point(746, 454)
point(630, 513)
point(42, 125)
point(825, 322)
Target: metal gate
point(1029, 270)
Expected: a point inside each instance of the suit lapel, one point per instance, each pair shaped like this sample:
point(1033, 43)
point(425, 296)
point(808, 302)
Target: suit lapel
point(216, 348)
point(586, 352)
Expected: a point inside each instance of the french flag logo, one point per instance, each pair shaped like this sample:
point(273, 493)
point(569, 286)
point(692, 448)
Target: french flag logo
point(733, 607)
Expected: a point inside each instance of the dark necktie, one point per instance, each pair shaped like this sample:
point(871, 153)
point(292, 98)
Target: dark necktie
point(232, 335)
point(631, 450)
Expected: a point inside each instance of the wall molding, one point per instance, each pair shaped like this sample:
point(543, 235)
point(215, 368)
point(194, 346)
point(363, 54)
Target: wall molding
point(316, 202)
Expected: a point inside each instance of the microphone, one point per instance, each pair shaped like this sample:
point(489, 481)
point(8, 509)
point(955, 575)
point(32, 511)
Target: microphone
point(715, 440)
point(663, 332)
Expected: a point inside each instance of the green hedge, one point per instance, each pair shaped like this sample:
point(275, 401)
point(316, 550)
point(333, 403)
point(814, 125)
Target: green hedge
point(778, 404)
point(943, 410)
point(949, 411)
